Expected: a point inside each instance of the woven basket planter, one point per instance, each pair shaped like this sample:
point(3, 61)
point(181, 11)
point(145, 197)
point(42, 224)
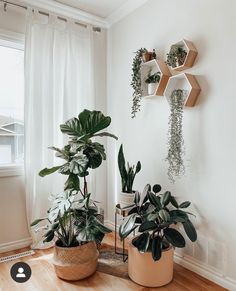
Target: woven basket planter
point(75, 263)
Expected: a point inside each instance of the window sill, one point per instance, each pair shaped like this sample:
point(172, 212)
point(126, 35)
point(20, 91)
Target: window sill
point(11, 171)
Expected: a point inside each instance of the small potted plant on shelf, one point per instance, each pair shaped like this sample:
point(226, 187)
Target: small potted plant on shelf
point(152, 81)
point(127, 173)
point(73, 218)
point(176, 56)
point(151, 252)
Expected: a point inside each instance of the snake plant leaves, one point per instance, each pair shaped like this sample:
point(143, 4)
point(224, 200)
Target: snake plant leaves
point(142, 242)
point(46, 171)
point(174, 237)
point(165, 198)
point(138, 167)
point(127, 226)
point(185, 204)
point(155, 200)
point(190, 230)
point(147, 225)
point(156, 188)
point(156, 248)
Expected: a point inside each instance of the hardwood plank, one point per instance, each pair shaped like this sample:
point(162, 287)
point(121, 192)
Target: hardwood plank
point(44, 278)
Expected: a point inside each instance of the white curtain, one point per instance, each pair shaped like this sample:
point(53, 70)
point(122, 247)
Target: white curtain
point(58, 85)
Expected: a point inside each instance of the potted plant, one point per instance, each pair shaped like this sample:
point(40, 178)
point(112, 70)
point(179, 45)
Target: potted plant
point(152, 80)
point(136, 80)
point(127, 174)
point(150, 261)
point(72, 219)
point(175, 141)
point(176, 56)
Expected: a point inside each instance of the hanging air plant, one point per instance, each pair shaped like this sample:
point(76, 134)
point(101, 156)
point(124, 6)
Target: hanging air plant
point(175, 136)
point(136, 81)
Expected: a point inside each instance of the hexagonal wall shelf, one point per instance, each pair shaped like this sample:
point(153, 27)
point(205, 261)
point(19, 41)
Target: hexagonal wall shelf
point(152, 67)
point(186, 82)
point(189, 47)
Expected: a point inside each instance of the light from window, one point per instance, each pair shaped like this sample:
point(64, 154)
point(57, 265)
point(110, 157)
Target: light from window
point(11, 106)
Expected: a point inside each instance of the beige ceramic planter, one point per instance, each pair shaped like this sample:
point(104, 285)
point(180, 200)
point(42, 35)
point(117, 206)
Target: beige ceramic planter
point(75, 263)
point(126, 199)
point(145, 271)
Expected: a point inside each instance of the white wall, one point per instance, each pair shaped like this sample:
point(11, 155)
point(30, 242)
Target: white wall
point(209, 127)
point(13, 224)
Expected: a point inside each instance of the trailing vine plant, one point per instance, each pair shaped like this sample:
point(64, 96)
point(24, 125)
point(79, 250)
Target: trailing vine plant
point(176, 151)
point(136, 81)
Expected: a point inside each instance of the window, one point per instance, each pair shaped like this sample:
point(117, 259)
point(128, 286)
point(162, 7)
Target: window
point(11, 105)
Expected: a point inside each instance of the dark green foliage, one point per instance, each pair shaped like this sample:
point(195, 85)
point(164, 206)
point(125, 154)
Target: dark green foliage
point(72, 219)
point(136, 81)
point(176, 56)
point(154, 214)
point(127, 173)
point(154, 78)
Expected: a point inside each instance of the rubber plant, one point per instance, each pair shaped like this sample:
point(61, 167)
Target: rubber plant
point(127, 172)
point(154, 215)
point(175, 142)
point(136, 81)
point(73, 217)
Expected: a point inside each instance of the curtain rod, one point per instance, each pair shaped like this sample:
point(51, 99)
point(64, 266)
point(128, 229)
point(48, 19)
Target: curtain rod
point(95, 28)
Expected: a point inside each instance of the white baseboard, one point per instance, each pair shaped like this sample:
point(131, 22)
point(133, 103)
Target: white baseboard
point(15, 245)
point(197, 267)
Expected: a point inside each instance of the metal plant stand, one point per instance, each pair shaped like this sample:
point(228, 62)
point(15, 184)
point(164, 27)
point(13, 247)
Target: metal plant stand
point(123, 213)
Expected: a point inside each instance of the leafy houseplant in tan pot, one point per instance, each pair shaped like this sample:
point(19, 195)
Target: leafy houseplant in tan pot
point(73, 219)
point(150, 261)
point(127, 173)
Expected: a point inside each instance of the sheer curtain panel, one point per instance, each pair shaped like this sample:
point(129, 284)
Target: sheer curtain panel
point(58, 85)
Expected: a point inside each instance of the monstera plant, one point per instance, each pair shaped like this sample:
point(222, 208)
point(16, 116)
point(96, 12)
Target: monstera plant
point(73, 217)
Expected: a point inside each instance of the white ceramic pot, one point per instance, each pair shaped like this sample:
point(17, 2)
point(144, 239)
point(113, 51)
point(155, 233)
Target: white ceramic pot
point(143, 270)
point(152, 88)
point(126, 199)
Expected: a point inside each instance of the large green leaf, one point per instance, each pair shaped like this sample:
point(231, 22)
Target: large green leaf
point(185, 204)
point(72, 127)
point(156, 248)
point(127, 225)
point(164, 215)
point(174, 202)
point(165, 198)
point(36, 221)
point(142, 242)
point(190, 230)
point(44, 172)
point(101, 134)
point(93, 121)
point(87, 124)
point(174, 237)
point(147, 225)
point(155, 200)
point(72, 182)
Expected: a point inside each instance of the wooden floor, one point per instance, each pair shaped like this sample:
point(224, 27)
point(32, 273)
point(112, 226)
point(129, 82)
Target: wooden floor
point(43, 278)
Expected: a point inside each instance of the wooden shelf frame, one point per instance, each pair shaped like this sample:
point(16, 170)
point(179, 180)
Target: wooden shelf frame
point(186, 82)
point(152, 67)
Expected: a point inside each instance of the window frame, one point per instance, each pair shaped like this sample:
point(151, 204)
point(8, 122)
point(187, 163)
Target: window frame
point(16, 41)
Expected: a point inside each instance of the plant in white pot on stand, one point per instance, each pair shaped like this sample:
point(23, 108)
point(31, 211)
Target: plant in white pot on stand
point(73, 219)
point(150, 261)
point(126, 197)
point(152, 81)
